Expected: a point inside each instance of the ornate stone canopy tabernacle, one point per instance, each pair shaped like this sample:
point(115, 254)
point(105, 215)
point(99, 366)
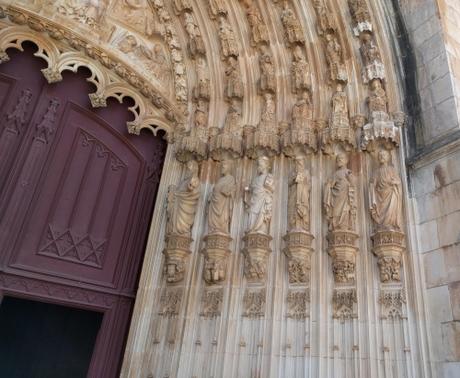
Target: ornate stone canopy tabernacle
point(280, 243)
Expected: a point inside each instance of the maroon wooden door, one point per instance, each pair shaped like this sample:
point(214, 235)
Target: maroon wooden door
point(76, 196)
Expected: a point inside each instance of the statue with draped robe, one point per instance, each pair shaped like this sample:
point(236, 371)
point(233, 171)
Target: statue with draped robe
point(299, 197)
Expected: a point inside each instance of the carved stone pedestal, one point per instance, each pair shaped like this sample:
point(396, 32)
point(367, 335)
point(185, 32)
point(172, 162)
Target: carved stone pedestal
point(256, 251)
point(343, 250)
point(176, 253)
point(389, 247)
point(298, 251)
point(215, 254)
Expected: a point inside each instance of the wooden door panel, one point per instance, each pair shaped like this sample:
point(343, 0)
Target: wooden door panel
point(80, 219)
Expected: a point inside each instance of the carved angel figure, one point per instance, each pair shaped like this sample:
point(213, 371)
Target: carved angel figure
point(372, 60)
point(299, 197)
point(267, 71)
point(292, 28)
point(228, 43)
point(301, 78)
point(234, 87)
point(182, 202)
point(334, 57)
point(359, 11)
point(377, 100)
point(325, 22)
point(221, 201)
point(340, 197)
point(258, 198)
point(138, 14)
point(202, 89)
point(386, 195)
point(259, 32)
point(233, 120)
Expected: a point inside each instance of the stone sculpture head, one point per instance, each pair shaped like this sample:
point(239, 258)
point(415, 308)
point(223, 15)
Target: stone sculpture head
point(383, 157)
point(263, 165)
point(341, 160)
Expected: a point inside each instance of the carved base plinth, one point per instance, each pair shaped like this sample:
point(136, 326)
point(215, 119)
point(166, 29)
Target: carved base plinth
point(376, 70)
point(298, 251)
point(296, 141)
point(191, 148)
point(176, 253)
point(225, 146)
point(389, 248)
point(260, 142)
point(216, 253)
point(256, 251)
point(380, 130)
point(343, 250)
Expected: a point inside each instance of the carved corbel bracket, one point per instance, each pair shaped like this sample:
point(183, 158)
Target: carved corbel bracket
point(389, 247)
point(260, 141)
point(343, 250)
point(216, 254)
point(256, 251)
point(298, 252)
point(299, 140)
point(176, 253)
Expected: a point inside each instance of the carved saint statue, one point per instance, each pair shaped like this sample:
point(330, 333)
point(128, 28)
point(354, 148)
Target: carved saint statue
point(292, 28)
point(378, 98)
point(325, 22)
point(386, 195)
point(334, 57)
point(267, 71)
point(221, 201)
point(372, 60)
point(202, 72)
point(258, 198)
point(340, 198)
point(302, 111)
point(299, 197)
point(301, 78)
point(259, 32)
point(234, 87)
point(233, 120)
point(196, 44)
point(228, 43)
point(182, 202)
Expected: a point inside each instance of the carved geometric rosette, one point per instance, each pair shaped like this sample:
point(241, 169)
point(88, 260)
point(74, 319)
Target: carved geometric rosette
point(225, 145)
point(345, 304)
point(216, 253)
point(176, 252)
point(260, 141)
point(296, 141)
point(389, 247)
point(256, 251)
point(343, 250)
point(298, 252)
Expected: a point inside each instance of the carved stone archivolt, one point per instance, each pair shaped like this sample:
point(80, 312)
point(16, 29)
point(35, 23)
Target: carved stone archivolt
point(181, 208)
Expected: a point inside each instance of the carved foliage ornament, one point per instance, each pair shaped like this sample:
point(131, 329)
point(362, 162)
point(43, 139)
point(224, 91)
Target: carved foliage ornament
point(211, 303)
point(106, 82)
point(298, 303)
point(254, 303)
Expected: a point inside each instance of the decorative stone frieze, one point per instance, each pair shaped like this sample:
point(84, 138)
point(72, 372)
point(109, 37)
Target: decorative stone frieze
point(298, 304)
point(345, 303)
point(170, 302)
point(211, 303)
point(254, 303)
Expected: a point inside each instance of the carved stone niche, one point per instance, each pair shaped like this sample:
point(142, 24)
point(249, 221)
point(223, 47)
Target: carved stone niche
point(176, 253)
point(392, 303)
point(216, 254)
point(256, 252)
point(298, 252)
point(389, 247)
point(342, 248)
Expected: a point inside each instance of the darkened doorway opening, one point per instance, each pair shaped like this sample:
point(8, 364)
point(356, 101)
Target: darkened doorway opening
point(42, 340)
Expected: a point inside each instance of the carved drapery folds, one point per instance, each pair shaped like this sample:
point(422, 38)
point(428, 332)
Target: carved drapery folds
point(385, 192)
point(299, 239)
point(341, 210)
point(259, 31)
point(258, 199)
point(219, 220)
point(181, 208)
